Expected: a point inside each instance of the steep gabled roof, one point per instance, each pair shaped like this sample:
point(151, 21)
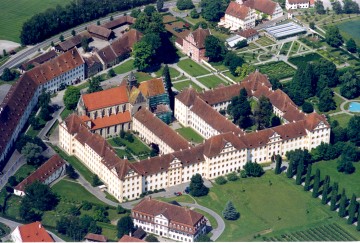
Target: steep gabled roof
point(237, 10)
point(119, 21)
point(39, 59)
point(152, 87)
point(99, 30)
point(106, 98)
point(187, 96)
point(34, 232)
point(200, 35)
point(265, 6)
point(127, 238)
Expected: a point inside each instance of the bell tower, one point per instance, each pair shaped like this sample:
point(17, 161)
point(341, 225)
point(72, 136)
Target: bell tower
point(131, 81)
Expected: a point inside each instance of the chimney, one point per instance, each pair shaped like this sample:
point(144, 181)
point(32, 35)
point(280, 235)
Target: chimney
point(40, 226)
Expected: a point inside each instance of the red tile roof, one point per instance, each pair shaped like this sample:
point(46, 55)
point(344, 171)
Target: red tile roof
point(237, 10)
point(95, 237)
point(73, 41)
point(108, 121)
point(119, 21)
point(265, 6)
point(99, 30)
point(161, 130)
point(248, 33)
point(43, 172)
point(200, 35)
point(106, 98)
point(176, 215)
point(39, 59)
point(34, 232)
point(152, 87)
point(187, 96)
point(127, 238)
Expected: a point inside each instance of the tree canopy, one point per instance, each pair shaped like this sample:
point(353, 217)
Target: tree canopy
point(213, 10)
point(197, 187)
point(333, 37)
point(214, 49)
point(240, 110)
point(32, 153)
point(184, 4)
point(263, 113)
point(230, 212)
point(253, 169)
point(71, 97)
point(124, 226)
point(351, 45)
point(94, 84)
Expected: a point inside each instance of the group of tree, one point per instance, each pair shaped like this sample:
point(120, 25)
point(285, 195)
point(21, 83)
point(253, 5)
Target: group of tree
point(240, 110)
point(319, 7)
point(77, 227)
point(252, 169)
point(350, 7)
point(58, 19)
point(350, 84)
point(38, 198)
point(71, 97)
point(215, 49)
point(234, 62)
point(197, 187)
point(244, 70)
point(9, 75)
point(94, 84)
point(263, 113)
point(155, 47)
point(124, 226)
point(32, 153)
point(25, 139)
point(333, 36)
point(44, 104)
point(184, 4)
point(213, 10)
point(298, 160)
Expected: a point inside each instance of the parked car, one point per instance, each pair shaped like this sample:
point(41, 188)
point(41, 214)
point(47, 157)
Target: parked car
point(187, 190)
point(177, 194)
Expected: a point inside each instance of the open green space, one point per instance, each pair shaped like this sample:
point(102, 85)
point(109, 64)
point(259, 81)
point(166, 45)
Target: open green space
point(189, 134)
point(232, 77)
point(271, 203)
point(14, 13)
point(211, 81)
point(65, 113)
point(137, 147)
point(278, 70)
point(125, 67)
point(183, 198)
point(24, 171)
point(349, 182)
point(219, 66)
point(211, 219)
point(173, 72)
point(285, 48)
point(347, 29)
point(109, 231)
point(185, 84)
point(294, 48)
point(53, 127)
point(343, 119)
point(141, 76)
point(265, 41)
point(192, 68)
point(304, 59)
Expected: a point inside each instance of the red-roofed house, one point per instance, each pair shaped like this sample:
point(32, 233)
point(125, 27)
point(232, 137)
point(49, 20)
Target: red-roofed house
point(194, 44)
point(52, 169)
point(90, 237)
point(168, 220)
point(238, 17)
point(33, 232)
point(127, 238)
point(264, 8)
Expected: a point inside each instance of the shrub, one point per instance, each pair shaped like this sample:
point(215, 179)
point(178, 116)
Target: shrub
point(220, 180)
point(194, 14)
point(86, 205)
point(232, 176)
point(120, 210)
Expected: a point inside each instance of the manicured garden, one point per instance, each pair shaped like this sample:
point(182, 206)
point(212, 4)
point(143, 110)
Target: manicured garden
point(185, 84)
point(211, 81)
point(277, 70)
point(265, 41)
point(173, 72)
point(192, 68)
point(304, 59)
point(189, 134)
point(271, 203)
point(136, 147)
point(125, 67)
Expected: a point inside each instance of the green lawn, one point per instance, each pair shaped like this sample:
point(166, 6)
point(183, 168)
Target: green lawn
point(219, 66)
point(192, 68)
point(14, 13)
point(73, 191)
point(211, 81)
point(65, 113)
point(278, 70)
point(279, 207)
point(347, 29)
point(24, 171)
point(141, 76)
point(349, 182)
point(53, 127)
point(232, 77)
point(189, 134)
point(4, 230)
point(109, 231)
point(211, 219)
point(137, 147)
point(173, 72)
point(183, 198)
point(343, 119)
point(125, 67)
point(184, 84)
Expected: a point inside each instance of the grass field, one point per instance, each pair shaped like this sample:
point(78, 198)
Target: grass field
point(65, 113)
point(14, 13)
point(278, 207)
point(211, 81)
point(184, 84)
point(125, 67)
point(141, 76)
point(343, 119)
point(137, 147)
point(347, 30)
point(277, 70)
point(349, 182)
point(232, 77)
point(192, 68)
point(189, 134)
point(24, 171)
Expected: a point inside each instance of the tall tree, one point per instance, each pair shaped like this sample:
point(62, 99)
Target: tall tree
point(353, 130)
point(350, 87)
point(32, 153)
point(316, 186)
point(351, 7)
point(7, 75)
point(253, 169)
point(197, 187)
point(299, 172)
point(325, 191)
point(230, 212)
point(351, 45)
point(159, 5)
point(358, 220)
point(263, 113)
point(308, 178)
point(240, 110)
point(213, 10)
point(233, 62)
point(319, 7)
point(149, 10)
point(214, 49)
point(184, 4)
point(342, 206)
point(334, 196)
point(333, 36)
point(290, 170)
point(307, 107)
point(94, 84)
point(326, 100)
point(168, 84)
point(337, 7)
point(71, 97)
point(143, 55)
point(278, 161)
point(353, 208)
point(124, 226)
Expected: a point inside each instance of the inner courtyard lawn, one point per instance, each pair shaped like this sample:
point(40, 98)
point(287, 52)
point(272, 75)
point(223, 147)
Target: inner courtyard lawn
point(185, 84)
point(189, 134)
point(271, 203)
point(192, 68)
point(211, 81)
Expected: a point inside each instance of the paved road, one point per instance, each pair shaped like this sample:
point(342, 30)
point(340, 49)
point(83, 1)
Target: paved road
point(13, 225)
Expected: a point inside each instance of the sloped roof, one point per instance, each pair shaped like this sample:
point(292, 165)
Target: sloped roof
point(73, 41)
point(108, 121)
point(152, 87)
point(200, 35)
point(91, 61)
point(175, 214)
point(118, 22)
point(34, 232)
point(99, 30)
point(216, 144)
point(298, 1)
point(105, 98)
point(265, 6)
point(95, 237)
point(237, 10)
point(187, 96)
point(43, 172)
point(161, 130)
point(248, 33)
point(39, 59)
point(127, 238)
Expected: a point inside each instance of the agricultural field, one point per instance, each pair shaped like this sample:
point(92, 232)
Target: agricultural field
point(211, 81)
point(185, 84)
point(192, 68)
point(268, 206)
point(278, 70)
point(304, 59)
point(14, 13)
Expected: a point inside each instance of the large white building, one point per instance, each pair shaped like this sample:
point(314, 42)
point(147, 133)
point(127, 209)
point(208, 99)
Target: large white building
point(265, 9)
point(238, 17)
point(168, 220)
point(227, 148)
point(68, 68)
point(295, 4)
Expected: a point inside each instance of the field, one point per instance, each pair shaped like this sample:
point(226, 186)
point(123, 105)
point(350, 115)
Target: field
point(14, 13)
point(192, 68)
point(347, 30)
point(189, 134)
point(125, 67)
point(343, 119)
point(349, 182)
point(184, 84)
point(277, 70)
point(303, 60)
point(269, 204)
point(211, 81)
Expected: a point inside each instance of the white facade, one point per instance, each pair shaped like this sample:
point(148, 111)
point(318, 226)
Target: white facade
point(235, 23)
point(295, 5)
point(15, 235)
